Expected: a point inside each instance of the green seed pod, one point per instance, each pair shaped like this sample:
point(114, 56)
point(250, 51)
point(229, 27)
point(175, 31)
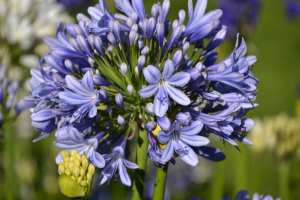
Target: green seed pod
point(68, 172)
point(89, 177)
point(91, 168)
point(83, 183)
point(85, 163)
point(76, 171)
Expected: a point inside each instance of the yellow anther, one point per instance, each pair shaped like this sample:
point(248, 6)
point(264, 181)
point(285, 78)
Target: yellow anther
point(82, 172)
point(85, 163)
point(68, 172)
point(89, 177)
point(83, 183)
point(91, 168)
point(76, 171)
point(77, 163)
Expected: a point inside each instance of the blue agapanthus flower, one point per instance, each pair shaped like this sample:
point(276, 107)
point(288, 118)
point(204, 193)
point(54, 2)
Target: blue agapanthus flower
point(292, 9)
point(112, 75)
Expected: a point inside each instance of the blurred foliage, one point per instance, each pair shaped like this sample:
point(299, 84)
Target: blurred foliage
point(276, 44)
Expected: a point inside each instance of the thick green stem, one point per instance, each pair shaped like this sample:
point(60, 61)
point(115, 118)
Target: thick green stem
point(9, 182)
point(284, 170)
point(141, 159)
point(160, 182)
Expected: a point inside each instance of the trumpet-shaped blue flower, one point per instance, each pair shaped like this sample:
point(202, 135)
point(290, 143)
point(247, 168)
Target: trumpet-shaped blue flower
point(81, 145)
point(162, 82)
point(180, 139)
point(84, 96)
point(116, 160)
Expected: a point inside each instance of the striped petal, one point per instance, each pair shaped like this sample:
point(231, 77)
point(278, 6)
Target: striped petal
point(152, 74)
point(123, 173)
point(148, 91)
point(179, 79)
point(178, 96)
point(87, 81)
point(76, 86)
point(193, 129)
point(168, 152)
point(194, 140)
point(98, 160)
point(163, 137)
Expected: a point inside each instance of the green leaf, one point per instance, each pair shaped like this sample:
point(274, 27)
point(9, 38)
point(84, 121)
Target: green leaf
point(69, 187)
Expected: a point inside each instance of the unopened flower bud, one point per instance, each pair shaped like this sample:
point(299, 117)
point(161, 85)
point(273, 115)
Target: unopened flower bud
point(144, 27)
point(72, 159)
point(77, 163)
point(78, 156)
point(175, 24)
point(149, 107)
point(85, 163)
point(89, 177)
point(181, 16)
point(160, 31)
point(99, 45)
point(76, 171)
point(145, 50)
point(73, 152)
point(184, 118)
point(119, 100)
point(199, 66)
point(61, 169)
point(117, 29)
point(121, 121)
point(185, 47)
point(123, 68)
point(73, 177)
point(132, 36)
point(103, 95)
point(134, 17)
point(68, 172)
point(71, 166)
point(154, 10)
point(129, 22)
point(111, 38)
point(141, 62)
point(141, 44)
point(151, 126)
point(83, 183)
point(177, 58)
point(91, 40)
point(135, 27)
point(91, 168)
point(82, 172)
point(175, 35)
point(130, 89)
point(79, 179)
point(151, 26)
point(109, 110)
point(194, 73)
point(136, 69)
point(110, 50)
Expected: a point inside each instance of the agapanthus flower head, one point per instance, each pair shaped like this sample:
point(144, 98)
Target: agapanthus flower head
point(112, 74)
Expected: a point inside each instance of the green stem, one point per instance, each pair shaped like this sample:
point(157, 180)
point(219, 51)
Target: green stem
point(8, 149)
point(284, 182)
point(141, 158)
point(160, 182)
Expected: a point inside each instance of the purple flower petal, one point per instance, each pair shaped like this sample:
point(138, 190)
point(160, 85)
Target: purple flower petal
point(160, 107)
point(123, 173)
point(130, 165)
point(178, 96)
point(98, 160)
point(193, 129)
point(148, 91)
point(179, 79)
point(194, 140)
point(168, 69)
point(163, 137)
point(75, 135)
point(87, 81)
point(191, 157)
point(75, 85)
point(152, 74)
point(168, 152)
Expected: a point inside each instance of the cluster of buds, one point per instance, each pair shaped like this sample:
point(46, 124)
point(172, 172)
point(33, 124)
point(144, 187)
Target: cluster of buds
point(76, 174)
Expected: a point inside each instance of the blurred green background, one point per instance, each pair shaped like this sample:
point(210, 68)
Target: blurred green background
point(276, 44)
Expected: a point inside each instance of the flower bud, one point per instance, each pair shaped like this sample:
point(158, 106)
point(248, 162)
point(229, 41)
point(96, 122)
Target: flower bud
point(132, 36)
point(141, 44)
point(130, 89)
point(83, 183)
point(89, 177)
point(82, 172)
point(175, 36)
point(73, 177)
point(110, 50)
point(117, 29)
point(151, 126)
point(78, 30)
point(99, 45)
point(185, 47)
point(72, 159)
point(177, 58)
point(134, 17)
point(151, 26)
point(145, 50)
point(164, 123)
point(85, 163)
point(123, 68)
point(175, 24)
point(111, 38)
point(77, 163)
point(154, 10)
point(144, 27)
point(82, 26)
point(103, 95)
point(160, 31)
point(109, 110)
point(119, 100)
point(194, 73)
point(78, 157)
point(84, 45)
point(121, 121)
point(91, 168)
point(71, 166)
point(61, 169)
point(68, 172)
point(141, 62)
point(76, 171)
point(129, 22)
point(91, 40)
point(181, 16)
point(149, 107)
point(73, 152)
point(184, 118)
point(135, 27)
point(165, 10)
point(136, 69)
point(79, 179)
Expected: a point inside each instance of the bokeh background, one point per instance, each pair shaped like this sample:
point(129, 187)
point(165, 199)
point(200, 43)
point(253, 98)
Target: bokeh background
point(270, 166)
